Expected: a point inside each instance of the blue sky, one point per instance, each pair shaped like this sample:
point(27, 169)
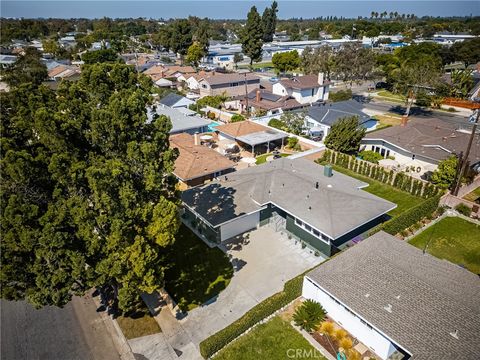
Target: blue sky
point(230, 8)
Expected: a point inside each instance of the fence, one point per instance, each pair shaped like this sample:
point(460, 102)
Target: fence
point(398, 180)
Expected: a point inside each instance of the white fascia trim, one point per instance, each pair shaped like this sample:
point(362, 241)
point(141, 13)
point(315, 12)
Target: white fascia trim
point(408, 151)
point(357, 315)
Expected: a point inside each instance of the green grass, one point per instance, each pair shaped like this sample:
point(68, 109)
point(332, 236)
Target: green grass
point(390, 95)
point(403, 199)
point(271, 340)
point(473, 196)
point(137, 326)
point(454, 239)
point(257, 65)
point(197, 272)
point(263, 158)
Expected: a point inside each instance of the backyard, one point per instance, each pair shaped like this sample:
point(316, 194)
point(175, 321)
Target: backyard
point(403, 199)
point(276, 339)
point(454, 239)
point(261, 159)
point(138, 325)
point(197, 272)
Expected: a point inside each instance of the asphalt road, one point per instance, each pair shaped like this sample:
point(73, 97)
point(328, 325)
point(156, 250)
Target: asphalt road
point(76, 332)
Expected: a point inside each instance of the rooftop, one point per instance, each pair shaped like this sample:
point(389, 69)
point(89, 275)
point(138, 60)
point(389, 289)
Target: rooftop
point(219, 79)
point(430, 298)
point(335, 208)
point(241, 128)
point(302, 82)
point(330, 113)
point(181, 121)
point(196, 160)
point(430, 137)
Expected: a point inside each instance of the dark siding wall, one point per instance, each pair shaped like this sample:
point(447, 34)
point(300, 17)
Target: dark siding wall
point(307, 237)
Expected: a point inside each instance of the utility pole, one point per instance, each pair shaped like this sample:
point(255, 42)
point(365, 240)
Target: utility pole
point(246, 94)
point(465, 158)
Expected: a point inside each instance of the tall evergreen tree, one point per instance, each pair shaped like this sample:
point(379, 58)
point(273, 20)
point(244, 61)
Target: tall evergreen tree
point(269, 21)
point(345, 135)
point(181, 36)
point(252, 36)
point(202, 35)
point(87, 198)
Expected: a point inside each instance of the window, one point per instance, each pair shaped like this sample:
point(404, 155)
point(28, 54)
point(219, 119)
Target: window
point(413, 156)
point(388, 153)
point(308, 227)
point(382, 152)
point(234, 84)
point(298, 222)
point(316, 233)
point(313, 92)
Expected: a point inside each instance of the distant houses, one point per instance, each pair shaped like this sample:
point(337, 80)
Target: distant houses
point(305, 89)
point(232, 84)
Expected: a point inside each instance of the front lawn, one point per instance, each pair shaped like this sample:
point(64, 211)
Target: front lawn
point(276, 339)
point(454, 239)
point(197, 272)
point(403, 199)
point(391, 96)
point(261, 159)
point(138, 325)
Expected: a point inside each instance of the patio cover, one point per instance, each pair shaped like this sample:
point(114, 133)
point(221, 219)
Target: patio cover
point(261, 137)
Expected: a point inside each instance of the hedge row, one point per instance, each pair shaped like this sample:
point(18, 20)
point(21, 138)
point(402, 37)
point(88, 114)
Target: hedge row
point(409, 217)
point(398, 180)
point(291, 290)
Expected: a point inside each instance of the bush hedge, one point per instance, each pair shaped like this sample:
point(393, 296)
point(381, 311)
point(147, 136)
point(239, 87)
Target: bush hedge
point(409, 217)
point(291, 290)
point(398, 180)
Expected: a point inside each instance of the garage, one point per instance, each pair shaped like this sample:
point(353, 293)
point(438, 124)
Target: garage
point(239, 225)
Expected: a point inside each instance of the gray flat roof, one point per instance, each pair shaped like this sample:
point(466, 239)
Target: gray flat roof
point(430, 297)
point(180, 121)
point(261, 137)
point(335, 208)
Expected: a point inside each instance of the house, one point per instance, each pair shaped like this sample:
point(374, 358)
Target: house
point(295, 196)
point(305, 89)
point(7, 60)
point(172, 72)
point(176, 101)
point(67, 72)
point(321, 117)
point(251, 135)
point(197, 163)
point(422, 143)
point(394, 298)
point(262, 100)
point(182, 122)
point(193, 80)
point(231, 84)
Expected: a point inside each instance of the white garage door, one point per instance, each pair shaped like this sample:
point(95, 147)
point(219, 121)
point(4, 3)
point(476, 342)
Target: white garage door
point(239, 226)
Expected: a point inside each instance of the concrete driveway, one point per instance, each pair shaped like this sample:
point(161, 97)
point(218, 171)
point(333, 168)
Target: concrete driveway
point(263, 260)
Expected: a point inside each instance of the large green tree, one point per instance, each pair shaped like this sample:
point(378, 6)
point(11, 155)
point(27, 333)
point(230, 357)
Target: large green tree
point(269, 22)
point(252, 36)
point(100, 56)
point(181, 36)
point(27, 69)
point(345, 135)
point(286, 61)
point(195, 53)
point(446, 172)
point(88, 197)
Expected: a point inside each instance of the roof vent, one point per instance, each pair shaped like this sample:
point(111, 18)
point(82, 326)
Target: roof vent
point(397, 297)
point(316, 185)
point(308, 196)
point(329, 185)
point(309, 208)
point(226, 178)
point(455, 334)
point(367, 295)
point(388, 308)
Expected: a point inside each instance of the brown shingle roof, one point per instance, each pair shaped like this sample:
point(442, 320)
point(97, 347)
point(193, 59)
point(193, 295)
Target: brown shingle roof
point(427, 137)
point(302, 82)
point(219, 79)
point(196, 160)
point(241, 128)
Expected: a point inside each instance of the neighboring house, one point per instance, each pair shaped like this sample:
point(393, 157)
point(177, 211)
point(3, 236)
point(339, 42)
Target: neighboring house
point(176, 101)
point(305, 89)
point(321, 117)
point(7, 60)
point(262, 100)
point(64, 72)
point(294, 196)
point(394, 298)
point(197, 163)
point(423, 143)
point(163, 82)
point(182, 122)
point(193, 80)
point(251, 136)
point(231, 84)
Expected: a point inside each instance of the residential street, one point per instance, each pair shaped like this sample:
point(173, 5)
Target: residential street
point(75, 332)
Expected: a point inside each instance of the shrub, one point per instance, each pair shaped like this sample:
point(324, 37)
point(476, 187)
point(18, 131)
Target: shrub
point(292, 142)
point(409, 217)
point(277, 124)
point(371, 156)
point(237, 118)
point(451, 109)
point(340, 95)
point(463, 209)
point(309, 315)
point(291, 290)
point(211, 115)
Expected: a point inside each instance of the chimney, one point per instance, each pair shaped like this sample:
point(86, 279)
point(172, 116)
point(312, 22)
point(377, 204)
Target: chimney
point(404, 120)
point(258, 96)
point(196, 139)
point(320, 78)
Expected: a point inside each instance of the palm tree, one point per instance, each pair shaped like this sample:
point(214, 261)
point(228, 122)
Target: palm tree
point(309, 315)
point(395, 14)
point(391, 15)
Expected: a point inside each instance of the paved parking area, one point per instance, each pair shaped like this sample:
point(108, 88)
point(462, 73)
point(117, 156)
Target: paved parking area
point(263, 260)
